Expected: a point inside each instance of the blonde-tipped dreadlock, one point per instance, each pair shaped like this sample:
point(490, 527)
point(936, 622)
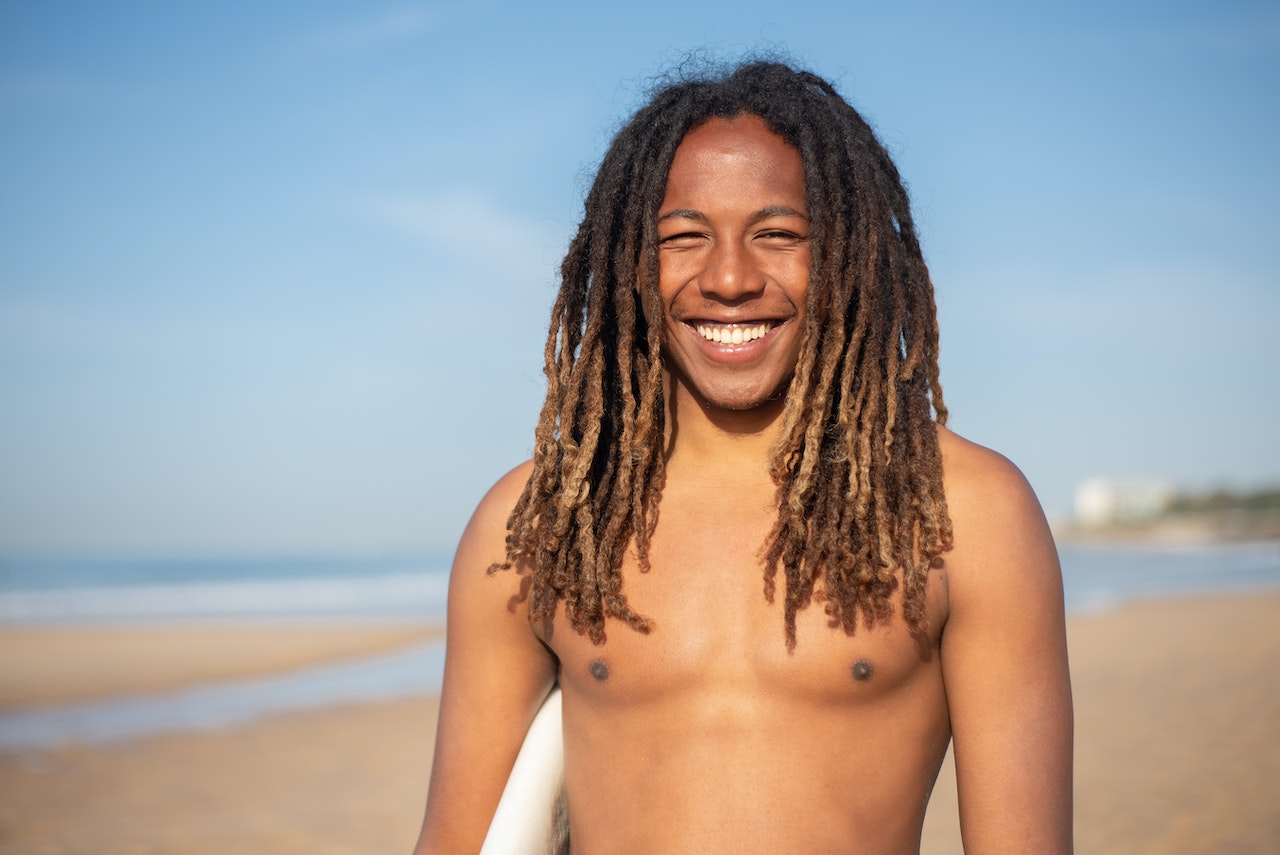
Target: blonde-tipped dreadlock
point(860, 501)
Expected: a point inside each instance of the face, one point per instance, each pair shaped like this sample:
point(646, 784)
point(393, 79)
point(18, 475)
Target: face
point(733, 233)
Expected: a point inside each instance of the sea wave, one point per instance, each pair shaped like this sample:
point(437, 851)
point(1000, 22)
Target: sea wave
point(1098, 578)
point(404, 595)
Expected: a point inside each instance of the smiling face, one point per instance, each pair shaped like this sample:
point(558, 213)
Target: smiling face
point(733, 233)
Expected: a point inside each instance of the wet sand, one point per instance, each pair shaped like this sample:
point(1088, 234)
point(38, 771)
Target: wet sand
point(1177, 749)
point(42, 666)
point(1177, 731)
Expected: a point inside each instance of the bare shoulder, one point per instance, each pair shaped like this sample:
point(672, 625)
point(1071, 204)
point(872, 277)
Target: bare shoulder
point(1004, 658)
point(982, 485)
point(993, 510)
point(473, 589)
point(474, 592)
point(496, 674)
point(1002, 540)
point(487, 530)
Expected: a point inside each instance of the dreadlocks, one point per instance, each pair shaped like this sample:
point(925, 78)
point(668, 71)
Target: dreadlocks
point(857, 467)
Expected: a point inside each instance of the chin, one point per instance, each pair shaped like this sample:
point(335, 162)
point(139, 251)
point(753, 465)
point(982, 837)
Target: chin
point(743, 400)
point(731, 391)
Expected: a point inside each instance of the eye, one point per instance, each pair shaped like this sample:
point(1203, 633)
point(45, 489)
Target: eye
point(781, 237)
point(681, 240)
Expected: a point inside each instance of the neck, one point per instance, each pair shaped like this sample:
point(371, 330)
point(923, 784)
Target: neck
point(719, 444)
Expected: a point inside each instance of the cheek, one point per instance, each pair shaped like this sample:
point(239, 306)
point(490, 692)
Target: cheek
point(677, 268)
point(799, 281)
point(666, 291)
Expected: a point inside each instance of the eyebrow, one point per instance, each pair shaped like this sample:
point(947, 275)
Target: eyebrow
point(762, 214)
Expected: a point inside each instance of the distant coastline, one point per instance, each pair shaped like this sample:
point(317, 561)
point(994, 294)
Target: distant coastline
point(1111, 513)
point(1189, 527)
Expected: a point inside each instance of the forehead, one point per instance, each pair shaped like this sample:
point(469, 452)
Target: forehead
point(728, 156)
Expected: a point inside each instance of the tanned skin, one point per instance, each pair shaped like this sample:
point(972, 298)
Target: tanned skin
point(707, 735)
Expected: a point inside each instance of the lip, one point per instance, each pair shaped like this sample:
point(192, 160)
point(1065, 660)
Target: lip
point(752, 345)
point(735, 333)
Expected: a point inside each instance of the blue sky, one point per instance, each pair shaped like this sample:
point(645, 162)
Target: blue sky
point(274, 278)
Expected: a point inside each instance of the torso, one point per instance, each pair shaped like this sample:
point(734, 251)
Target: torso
point(707, 735)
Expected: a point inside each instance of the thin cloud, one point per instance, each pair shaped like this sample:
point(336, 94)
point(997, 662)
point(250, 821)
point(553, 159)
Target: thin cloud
point(470, 226)
point(390, 27)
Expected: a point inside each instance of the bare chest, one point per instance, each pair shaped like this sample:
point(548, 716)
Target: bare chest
point(718, 639)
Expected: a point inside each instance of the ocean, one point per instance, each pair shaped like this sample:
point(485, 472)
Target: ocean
point(45, 593)
point(78, 591)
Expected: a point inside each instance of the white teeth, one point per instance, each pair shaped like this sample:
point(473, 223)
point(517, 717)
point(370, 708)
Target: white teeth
point(732, 333)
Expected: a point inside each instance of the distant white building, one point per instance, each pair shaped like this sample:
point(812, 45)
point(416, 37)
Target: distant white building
point(1100, 501)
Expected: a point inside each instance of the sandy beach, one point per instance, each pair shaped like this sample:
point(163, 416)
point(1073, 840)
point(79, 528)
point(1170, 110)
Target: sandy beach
point(1177, 742)
point(55, 665)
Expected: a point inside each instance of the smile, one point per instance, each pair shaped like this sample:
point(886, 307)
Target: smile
point(733, 333)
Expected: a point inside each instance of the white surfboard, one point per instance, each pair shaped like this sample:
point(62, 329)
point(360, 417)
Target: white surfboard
point(530, 818)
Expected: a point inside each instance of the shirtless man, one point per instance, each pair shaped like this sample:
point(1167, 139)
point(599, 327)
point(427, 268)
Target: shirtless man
point(770, 584)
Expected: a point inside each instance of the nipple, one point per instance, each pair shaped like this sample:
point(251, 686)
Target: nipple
point(599, 670)
point(862, 670)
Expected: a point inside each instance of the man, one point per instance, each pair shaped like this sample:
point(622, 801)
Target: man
point(769, 583)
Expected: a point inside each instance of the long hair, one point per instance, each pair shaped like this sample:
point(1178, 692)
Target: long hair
point(859, 482)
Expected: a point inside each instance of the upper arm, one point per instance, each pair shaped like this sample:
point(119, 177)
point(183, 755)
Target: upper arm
point(1004, 660)
point(496, 674)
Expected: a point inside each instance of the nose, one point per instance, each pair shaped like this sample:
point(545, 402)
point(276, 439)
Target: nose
point(731, 275)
